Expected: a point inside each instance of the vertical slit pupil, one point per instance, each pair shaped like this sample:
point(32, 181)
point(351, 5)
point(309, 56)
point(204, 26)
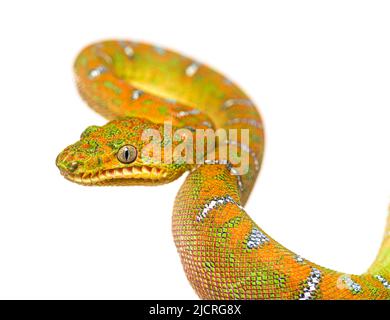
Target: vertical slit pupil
point(127, 154)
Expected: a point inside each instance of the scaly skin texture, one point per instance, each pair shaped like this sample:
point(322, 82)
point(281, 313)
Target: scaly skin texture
point(225, 255)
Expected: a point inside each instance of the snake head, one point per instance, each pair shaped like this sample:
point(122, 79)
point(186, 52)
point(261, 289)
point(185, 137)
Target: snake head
point(120, 153)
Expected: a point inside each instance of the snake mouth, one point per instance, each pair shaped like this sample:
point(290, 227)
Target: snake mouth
point(121, 176)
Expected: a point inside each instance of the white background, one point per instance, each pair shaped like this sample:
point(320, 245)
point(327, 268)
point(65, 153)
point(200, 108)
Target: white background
point(320, 73)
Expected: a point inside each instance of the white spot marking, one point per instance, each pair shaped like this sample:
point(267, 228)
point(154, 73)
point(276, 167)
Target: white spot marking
point(192, 69)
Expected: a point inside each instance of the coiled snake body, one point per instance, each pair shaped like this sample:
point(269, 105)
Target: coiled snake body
point(225, 255)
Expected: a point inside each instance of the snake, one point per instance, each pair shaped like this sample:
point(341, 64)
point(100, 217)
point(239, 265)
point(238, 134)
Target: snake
point(138, 88)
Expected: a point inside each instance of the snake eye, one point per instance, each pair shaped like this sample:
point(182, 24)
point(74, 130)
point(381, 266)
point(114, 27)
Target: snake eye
point(127, 154)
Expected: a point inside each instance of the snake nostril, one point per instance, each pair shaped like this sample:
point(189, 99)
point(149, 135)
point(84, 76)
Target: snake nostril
point(73, 166)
